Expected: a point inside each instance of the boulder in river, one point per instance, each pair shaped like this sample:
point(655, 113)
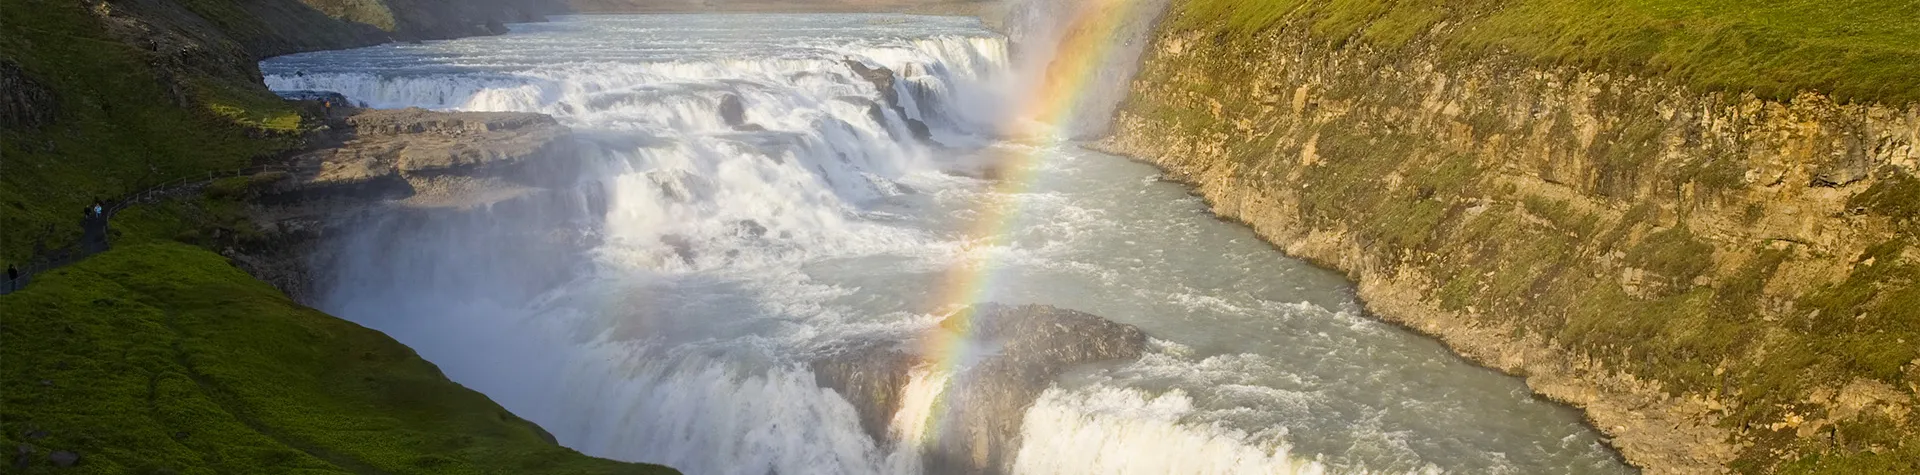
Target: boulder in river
point(734, 113)
point(986, 399)
point(882, 79)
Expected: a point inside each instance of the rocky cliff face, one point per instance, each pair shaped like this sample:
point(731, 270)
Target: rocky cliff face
point(1719, 281)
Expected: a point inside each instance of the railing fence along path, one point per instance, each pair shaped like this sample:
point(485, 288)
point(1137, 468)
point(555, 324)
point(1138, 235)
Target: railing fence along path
point(94, 230)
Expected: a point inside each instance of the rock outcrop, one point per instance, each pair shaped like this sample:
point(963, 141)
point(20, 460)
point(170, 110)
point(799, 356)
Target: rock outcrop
point(430, 158)
point(883, 79)
point(1024, 349)
point(400, 161)
point(1717, 280)
point(24, 102)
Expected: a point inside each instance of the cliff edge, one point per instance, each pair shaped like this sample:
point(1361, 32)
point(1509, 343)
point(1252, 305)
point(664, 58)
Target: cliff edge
point(159, 355)
point(1719, 261)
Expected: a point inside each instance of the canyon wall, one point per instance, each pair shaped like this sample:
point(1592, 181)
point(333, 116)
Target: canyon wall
point(1722, 282)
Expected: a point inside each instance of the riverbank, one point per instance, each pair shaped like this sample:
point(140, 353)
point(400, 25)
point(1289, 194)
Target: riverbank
point(1721, 281)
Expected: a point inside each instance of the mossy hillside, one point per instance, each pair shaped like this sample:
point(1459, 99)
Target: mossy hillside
point(1608, 266)
point(1862, 50)
point(158, 357)
point(119, 128)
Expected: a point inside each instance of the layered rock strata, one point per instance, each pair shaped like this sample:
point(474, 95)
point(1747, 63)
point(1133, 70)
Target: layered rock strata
point(1719, 281)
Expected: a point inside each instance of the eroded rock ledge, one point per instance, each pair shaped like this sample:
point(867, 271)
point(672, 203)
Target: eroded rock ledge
point(405, 162)
point(430, 158)
point(1024, 349)
point(1719, 281)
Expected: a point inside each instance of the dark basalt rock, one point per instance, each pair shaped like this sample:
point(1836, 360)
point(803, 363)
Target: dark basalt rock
point(986, 400)
point(882, 79)
point(872, 375)
point(734, 113)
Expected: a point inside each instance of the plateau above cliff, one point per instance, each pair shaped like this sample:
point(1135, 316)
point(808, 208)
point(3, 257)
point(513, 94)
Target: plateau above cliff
point(1850, 50)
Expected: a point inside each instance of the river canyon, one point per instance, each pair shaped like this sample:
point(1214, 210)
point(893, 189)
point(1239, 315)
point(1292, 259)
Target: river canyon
point(755, 212)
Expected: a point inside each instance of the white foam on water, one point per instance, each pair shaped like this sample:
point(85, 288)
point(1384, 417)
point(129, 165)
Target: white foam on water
point(1107, 430)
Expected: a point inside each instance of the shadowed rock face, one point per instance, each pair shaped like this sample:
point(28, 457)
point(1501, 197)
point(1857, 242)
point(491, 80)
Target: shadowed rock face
point(734, 113)
point(873, 376)
point(24, 102)
point(1028, 347)
point(882, 79)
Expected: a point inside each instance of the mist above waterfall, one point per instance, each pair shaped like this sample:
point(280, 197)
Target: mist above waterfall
point(754, 194)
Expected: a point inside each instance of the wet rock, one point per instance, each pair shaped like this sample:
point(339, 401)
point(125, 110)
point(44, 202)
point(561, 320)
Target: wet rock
point(679, 186)
point(883, 79)
point(749, 228)
point(681, 246)
point(64, 458)
point(872, 375)
point(987, 399)
point(36, 434)
point(734, 113)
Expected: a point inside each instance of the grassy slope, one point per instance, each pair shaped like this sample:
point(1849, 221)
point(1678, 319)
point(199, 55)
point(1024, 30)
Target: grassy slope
point(162, 356)
point(159, 357)
point(1851, 49)
point(118, 130)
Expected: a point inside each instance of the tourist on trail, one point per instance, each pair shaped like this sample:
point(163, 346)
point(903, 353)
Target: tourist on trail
point(99, 210)
point(12, 275)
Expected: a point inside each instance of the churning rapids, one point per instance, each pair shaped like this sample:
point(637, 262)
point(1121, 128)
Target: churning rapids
point(747, 202)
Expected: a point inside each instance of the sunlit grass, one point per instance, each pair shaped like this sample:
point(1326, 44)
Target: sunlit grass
point(1865, 50)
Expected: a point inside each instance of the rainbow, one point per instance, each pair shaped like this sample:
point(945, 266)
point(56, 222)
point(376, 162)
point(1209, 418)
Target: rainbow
point(1086, 44)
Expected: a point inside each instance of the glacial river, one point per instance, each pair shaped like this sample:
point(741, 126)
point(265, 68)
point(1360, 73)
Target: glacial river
point(665, 306)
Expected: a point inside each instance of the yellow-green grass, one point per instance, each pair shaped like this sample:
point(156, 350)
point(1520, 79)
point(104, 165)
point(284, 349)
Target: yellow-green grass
point(1859, 50)
point(158, 357)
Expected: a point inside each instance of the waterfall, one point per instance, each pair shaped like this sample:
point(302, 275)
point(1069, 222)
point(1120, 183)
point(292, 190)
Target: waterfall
point(756, 194)
point(1037, 27)
point(651, 310)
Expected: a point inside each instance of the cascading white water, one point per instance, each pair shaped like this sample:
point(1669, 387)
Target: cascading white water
point(666, 305)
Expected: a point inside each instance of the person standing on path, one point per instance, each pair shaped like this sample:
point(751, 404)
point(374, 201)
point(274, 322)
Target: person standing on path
point(13, 275)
